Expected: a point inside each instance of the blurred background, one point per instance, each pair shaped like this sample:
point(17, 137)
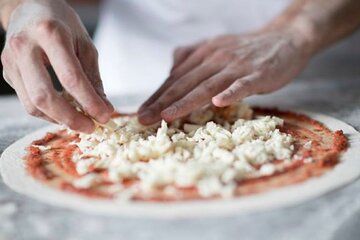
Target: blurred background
point(88, 11)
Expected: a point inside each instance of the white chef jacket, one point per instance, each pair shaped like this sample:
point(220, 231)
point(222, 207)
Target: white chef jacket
point(136, 38)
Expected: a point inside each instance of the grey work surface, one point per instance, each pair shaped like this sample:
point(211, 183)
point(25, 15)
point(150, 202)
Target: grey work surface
point(335, 215)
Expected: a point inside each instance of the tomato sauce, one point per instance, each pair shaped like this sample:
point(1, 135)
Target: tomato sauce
point(56, 167)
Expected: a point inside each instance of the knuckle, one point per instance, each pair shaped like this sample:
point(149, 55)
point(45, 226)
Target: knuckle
point(70, 79)
point(54, 29)
point(5, 59)
point(17, 42)
point(206, 48)
point(48, 26)
point(221, 55)
point(40, 98)
point(33, 111)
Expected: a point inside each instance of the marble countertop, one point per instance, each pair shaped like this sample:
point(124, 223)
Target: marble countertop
point(335, 215)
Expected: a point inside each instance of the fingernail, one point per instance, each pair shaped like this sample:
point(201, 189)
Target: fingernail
point(104, 117)
point(216, 101)
point(170, 111)
point(146, 117)
point(145, 114)
point(88, 127)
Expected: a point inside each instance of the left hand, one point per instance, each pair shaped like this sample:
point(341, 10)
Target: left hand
point(225, 70)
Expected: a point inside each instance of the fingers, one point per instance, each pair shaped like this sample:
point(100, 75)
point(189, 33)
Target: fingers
point(12, 76)
point(8, 66)
point(192, 61)
point(156, 95)
point(186, 58)
point(28, 105)
point(178, 90)
point(88, 57)
point(193, 83)
point(199, 96)
point(241, 88)
point(180, 55)
point(20, 90)
point(41, 94)
point(58, 46)
point(7, 79)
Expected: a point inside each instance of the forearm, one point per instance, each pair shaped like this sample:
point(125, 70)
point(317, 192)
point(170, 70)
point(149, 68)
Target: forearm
point(320, 22)
point(7, 6)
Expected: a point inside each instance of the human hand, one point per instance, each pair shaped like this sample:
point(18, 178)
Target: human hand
point(41, 33)
point(225, 70)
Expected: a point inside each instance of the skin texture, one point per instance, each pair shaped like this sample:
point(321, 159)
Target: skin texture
point(221, 70)
point(227, 69)
point(42, 33)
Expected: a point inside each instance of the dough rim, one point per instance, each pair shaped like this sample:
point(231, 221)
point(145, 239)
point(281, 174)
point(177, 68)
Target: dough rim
point(14, 175)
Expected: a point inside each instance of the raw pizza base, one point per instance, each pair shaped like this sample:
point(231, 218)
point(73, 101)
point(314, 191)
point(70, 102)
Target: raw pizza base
point(12, 167)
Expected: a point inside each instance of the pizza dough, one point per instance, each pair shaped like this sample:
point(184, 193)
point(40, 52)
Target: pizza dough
point(14, 174)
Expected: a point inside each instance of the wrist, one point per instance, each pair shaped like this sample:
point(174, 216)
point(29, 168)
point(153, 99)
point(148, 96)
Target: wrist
point(6, 8)
point(301, 30)
point(306, 34)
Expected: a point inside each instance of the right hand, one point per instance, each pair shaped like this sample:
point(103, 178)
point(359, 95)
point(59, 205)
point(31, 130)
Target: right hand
point(41, 33)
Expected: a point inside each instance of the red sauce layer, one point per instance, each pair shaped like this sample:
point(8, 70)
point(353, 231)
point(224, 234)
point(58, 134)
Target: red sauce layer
point(56, 168)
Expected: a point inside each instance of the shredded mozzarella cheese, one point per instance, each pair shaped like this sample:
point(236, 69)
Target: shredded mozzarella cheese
point(212, 151)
